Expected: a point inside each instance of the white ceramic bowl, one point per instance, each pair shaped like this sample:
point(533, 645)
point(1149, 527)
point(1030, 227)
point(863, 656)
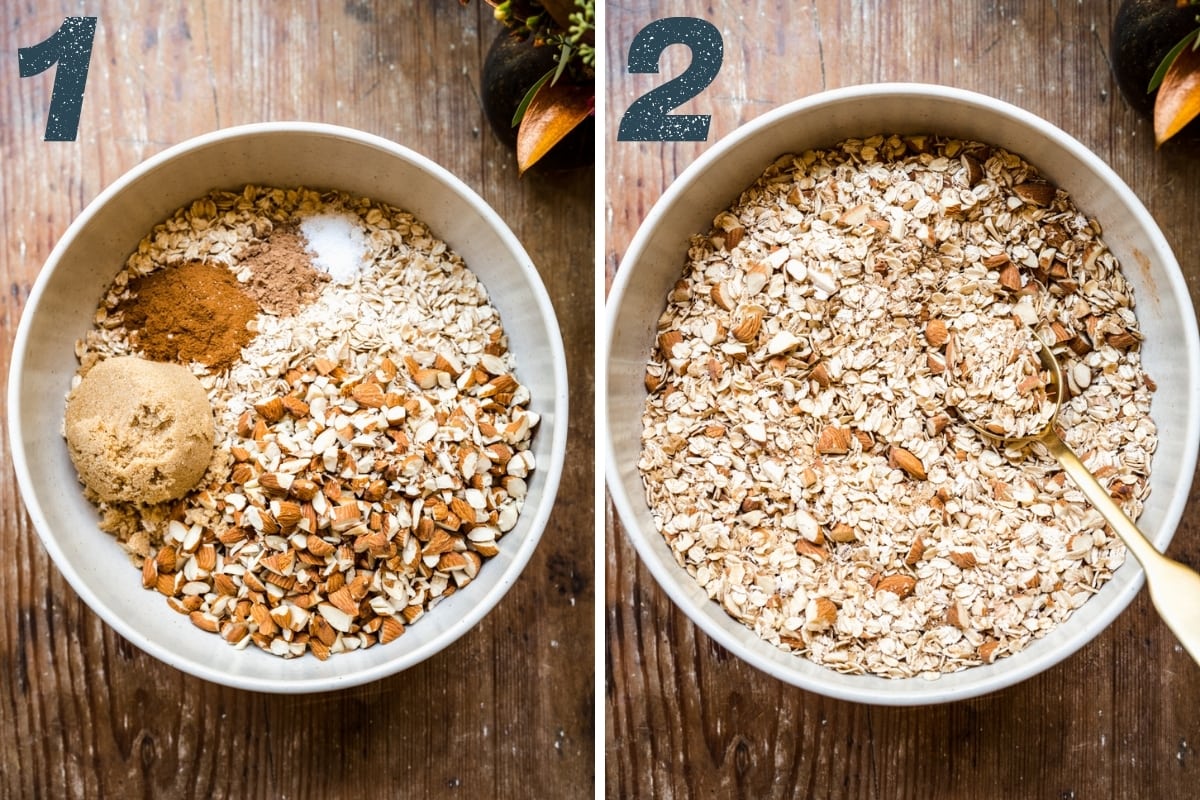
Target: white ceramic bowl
point(656, 255)
point(93, 250)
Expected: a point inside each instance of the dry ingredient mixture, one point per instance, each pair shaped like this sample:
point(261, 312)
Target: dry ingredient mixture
point(999, 383)
point(371, 439)
point(798, 454)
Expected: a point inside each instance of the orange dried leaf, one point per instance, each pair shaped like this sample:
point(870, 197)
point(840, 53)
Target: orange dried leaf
point(1178, 100)
point(555, 110)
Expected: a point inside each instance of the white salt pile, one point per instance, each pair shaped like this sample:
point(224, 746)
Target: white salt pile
point(338, 244)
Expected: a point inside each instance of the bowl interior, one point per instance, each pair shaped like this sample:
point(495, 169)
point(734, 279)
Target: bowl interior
point(655, 257)
point(94, 249)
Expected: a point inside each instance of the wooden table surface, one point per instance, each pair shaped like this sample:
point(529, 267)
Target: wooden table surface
point(686, 719)
point(505, 712)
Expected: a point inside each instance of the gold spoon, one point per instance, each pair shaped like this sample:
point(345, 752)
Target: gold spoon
point(1174, 588)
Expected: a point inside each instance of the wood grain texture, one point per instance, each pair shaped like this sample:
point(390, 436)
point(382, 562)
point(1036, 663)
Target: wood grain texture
point(684, 718)
point(508, 710)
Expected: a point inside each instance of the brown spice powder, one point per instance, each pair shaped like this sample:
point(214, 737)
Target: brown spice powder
point(282, 277)
point(194, 312)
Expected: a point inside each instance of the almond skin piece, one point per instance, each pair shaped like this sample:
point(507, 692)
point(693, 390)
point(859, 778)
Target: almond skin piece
point(304, 489)
point(963, 559)
point(841, 532)
point(756, 277)
point(722, 296)
point(391, 630)
point(149, 573)
point(289, 514)
point(747, 328)
point(903, 459)
point(820, 374)
point(824, 613)
point(368, 394)
point(733, 236)
point(241, 473)
point(900, 585)
point(834, 441)
point(1061, 334)
point(1029, 384)
point(938, 424)
point(806, 548)
point(915, 551)
point(1036, 194)
point(271, 410)
point(1001, 490)
point(936, 333)
point(1121, 341)
point(1010, 277)
point(973, 169)
point(295, 406)
point(667, 341)
point(270, 482)
point(957, 615)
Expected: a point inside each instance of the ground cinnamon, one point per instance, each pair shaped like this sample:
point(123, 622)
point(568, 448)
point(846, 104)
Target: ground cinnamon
point(193, 312)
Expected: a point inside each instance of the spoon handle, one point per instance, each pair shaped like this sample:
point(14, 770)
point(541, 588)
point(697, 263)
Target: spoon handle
point(1174, 588)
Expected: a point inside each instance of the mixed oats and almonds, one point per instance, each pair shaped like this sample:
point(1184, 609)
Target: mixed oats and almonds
point(371, 447)
point(1002, 385)
point(800, 454)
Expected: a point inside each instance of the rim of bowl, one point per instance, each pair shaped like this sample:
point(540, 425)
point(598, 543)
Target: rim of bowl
point(538, 516)
point(670, 576)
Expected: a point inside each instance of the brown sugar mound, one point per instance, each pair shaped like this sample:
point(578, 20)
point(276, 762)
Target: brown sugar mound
point(193, 312)
point(139, 431)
